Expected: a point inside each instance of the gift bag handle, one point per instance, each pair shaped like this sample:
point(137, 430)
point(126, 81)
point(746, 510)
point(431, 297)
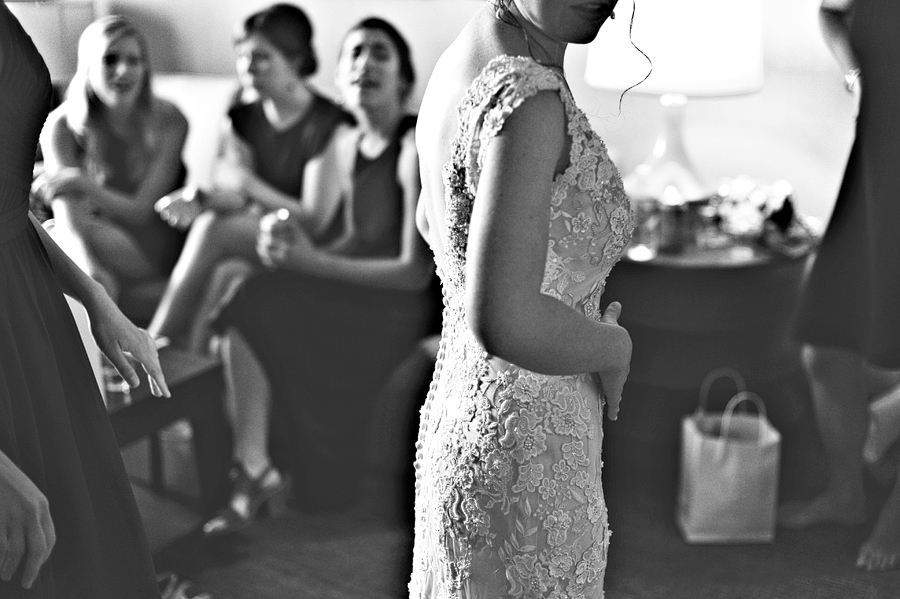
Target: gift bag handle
point(718, 373)
point(733, 403)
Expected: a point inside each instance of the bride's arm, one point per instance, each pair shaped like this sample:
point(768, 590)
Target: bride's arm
point(507, 252)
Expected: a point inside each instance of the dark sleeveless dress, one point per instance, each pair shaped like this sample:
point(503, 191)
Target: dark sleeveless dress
point(328, 346)
point(852, 298)
point(280, 155)
point(53, 423)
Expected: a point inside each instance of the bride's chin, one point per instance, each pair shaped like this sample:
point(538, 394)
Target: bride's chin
point(589, 35)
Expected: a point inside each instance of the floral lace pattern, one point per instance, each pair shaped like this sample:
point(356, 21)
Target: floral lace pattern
point(508, 495)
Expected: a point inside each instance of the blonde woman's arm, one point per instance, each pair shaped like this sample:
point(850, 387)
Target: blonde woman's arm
point(66, 179)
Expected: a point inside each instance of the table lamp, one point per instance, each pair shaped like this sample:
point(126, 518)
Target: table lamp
point(699, 48)
point(54, 27)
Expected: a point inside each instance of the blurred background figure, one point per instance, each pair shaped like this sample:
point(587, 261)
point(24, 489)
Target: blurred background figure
point(311, 342)
point(111, 150)
point(70, 525)
point(267, 143)
point(849, 318)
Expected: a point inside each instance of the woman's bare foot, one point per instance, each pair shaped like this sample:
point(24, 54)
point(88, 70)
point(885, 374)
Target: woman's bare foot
point(827, 508)
point(882, 549)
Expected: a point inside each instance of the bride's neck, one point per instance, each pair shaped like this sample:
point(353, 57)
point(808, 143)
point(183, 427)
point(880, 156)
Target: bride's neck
point(534, 42)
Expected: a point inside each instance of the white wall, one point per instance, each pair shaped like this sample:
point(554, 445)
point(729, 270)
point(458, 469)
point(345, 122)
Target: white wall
point(798, 128)
point(196, 35)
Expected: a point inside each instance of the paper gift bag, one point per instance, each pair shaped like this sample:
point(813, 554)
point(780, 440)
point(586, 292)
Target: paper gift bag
point(728, 485)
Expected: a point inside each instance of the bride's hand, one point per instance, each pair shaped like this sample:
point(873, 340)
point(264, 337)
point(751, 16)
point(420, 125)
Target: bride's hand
point(612, 379)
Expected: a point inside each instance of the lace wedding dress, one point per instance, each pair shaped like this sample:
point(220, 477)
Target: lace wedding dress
point(508, 495)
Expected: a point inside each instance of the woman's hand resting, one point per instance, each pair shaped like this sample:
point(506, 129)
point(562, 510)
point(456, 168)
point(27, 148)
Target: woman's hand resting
point(28, 531)
point(180, 207)
point(281, 240)
point(117, 336)
point(612, 379)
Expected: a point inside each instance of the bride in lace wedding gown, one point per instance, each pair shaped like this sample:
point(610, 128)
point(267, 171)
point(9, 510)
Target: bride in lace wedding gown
point(526, 216)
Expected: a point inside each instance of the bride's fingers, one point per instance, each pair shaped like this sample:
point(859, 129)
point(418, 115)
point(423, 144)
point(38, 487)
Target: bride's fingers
point(612, 313)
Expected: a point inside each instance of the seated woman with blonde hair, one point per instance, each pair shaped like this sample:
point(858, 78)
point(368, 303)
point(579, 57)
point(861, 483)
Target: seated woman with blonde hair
point(111, 150)
point(309, 344)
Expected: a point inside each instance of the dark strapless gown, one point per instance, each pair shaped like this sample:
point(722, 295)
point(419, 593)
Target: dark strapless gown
point(53, 423)
point(852, 298)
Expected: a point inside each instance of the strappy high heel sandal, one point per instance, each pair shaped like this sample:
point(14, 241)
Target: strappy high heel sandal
point(171, 587)
point(253, 495)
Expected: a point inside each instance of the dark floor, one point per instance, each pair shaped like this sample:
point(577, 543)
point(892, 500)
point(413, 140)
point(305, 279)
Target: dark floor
point(353, 556)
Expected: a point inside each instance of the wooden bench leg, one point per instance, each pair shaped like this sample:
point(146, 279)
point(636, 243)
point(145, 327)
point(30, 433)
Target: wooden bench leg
point(212, 450)
point(157, 474)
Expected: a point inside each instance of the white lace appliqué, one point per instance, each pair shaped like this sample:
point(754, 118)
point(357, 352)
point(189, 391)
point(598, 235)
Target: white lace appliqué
point(508, 494)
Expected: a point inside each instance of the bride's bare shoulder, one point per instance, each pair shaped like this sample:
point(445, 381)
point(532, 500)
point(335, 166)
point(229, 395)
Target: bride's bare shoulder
point(446, 87)
point(458, 66)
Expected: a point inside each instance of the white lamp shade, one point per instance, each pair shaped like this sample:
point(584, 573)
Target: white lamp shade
point(54, 27)
point(698, 48)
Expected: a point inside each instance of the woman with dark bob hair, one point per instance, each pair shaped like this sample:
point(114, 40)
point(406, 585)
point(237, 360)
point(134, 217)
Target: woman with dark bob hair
point(268, 142)
point(311, 342)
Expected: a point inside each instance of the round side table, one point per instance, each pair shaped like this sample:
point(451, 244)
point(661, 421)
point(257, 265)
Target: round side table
point(688, 314)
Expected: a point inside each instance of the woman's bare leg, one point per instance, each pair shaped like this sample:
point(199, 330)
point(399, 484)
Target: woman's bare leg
point(225, 279)
point(884, 421)
point(840, 398)
point(103, 249)
point(213, 236)
point(881, 551)
point(249, 406)
point(248, 402)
